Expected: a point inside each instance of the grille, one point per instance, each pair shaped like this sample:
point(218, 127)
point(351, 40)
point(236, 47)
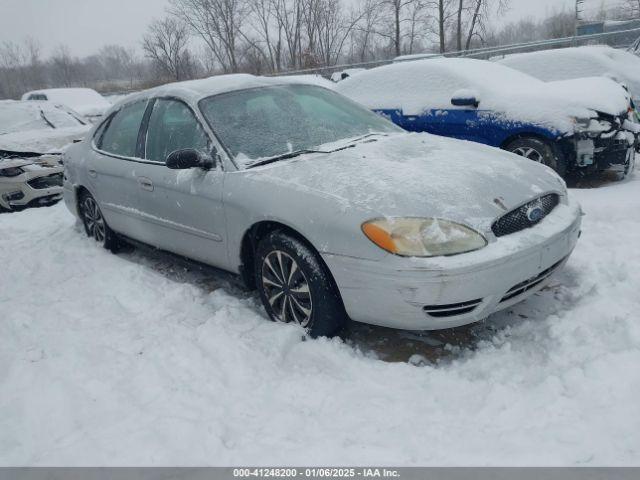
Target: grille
point(40, 183)
point(451, 310)
point(533, 282)
point(520, 218)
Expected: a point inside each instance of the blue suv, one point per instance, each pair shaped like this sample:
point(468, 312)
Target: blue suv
point(572, 125)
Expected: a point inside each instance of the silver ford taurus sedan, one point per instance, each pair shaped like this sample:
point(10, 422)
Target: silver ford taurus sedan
point(330, 211)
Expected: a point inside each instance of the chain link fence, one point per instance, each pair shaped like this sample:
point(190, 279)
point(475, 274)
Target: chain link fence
point(618, 39)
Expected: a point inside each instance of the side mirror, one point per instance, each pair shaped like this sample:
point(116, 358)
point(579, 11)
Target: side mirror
point(189, 158)
point(465, 98)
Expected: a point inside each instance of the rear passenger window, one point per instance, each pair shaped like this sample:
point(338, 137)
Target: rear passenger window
point(121, 134)
point(173, 126)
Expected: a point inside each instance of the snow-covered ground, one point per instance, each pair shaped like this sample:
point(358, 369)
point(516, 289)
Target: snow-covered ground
point(142, 359)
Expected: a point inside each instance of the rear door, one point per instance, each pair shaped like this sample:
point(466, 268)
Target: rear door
point(182, 209)
point(111, 165)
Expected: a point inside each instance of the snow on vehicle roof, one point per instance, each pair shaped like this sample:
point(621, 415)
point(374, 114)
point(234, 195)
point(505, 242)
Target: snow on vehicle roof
point(576, 62)
point(422, 85)
point(83, 100)
point(195, 90)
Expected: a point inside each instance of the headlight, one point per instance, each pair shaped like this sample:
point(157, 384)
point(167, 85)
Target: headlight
point(422, 237)
point(11, 172)
point(581, 123)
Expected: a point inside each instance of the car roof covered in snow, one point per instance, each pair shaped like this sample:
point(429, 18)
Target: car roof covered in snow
point(194, 90)
point(576, 62)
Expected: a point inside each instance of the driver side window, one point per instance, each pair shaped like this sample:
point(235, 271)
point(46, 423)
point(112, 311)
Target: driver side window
point(173, 126)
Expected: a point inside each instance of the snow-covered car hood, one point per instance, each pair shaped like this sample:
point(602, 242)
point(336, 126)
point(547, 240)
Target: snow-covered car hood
point(578, 62)
point(410, 174)
point(599, 94)
point(41, 141)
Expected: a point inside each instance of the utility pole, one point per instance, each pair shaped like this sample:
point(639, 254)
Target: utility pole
point(579, 10)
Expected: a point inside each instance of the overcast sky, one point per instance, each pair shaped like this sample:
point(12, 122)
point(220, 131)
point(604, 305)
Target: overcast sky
point(86, 25)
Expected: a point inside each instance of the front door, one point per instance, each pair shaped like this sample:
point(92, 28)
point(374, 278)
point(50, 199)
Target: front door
point(182, 209)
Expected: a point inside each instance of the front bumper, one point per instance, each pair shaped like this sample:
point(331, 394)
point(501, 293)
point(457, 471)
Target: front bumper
point(31, 189)
point(445, 292)
point(604, 150)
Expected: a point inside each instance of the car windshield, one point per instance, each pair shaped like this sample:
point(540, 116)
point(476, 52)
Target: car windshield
point(267, 122)
point(24, 116)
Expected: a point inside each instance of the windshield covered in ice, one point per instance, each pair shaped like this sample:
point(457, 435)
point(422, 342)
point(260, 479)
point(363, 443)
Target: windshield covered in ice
point(271, 121)
point(24, 116)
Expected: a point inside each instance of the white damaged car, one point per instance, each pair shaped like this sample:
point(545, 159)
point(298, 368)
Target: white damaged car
point(33, 136)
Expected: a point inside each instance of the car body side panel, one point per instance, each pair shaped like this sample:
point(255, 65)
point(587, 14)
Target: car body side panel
point(181, 211)
point(479, 126)
point(249, 200)
point(113, 184)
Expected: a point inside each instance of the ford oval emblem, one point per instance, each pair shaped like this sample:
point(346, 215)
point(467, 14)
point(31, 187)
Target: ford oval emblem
point(535, 214)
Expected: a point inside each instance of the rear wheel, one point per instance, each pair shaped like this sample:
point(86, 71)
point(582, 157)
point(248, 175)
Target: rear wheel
point(539, 151)
point(94, 223)
point(296, 287)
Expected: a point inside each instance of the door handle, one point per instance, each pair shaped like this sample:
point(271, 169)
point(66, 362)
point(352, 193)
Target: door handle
point(92, 173)
point(145, 183)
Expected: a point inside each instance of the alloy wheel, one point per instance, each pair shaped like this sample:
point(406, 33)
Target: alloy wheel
point(93, 220)
point(286, 288)
point(530, 153)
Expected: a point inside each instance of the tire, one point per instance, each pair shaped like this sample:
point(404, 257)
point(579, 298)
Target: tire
point(630, 165)
point(539, 151)
point(95, 226)
point(307, 296)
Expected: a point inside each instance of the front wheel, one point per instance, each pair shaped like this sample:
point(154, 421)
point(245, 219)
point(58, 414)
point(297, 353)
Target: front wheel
point(539, 151)
point(630, 164)
point(94, 223)
point(296, 287)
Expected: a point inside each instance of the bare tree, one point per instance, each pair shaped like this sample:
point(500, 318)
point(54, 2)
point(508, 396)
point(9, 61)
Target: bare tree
point(218, 23)
point(165, 43)
point(269, 31)
point(63, 66)
point(444, 12)
point(631, 8)
point(364, 31)
point(290, 19)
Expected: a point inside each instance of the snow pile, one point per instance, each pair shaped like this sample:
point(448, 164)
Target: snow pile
point(415, 87)
point(85, 101)
point(129, 359)
point(577, 62)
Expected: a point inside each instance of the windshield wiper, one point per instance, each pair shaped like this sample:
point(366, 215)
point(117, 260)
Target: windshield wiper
point(284, 156)
point(46, 119)
point(372, 134)
point(297, 153)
